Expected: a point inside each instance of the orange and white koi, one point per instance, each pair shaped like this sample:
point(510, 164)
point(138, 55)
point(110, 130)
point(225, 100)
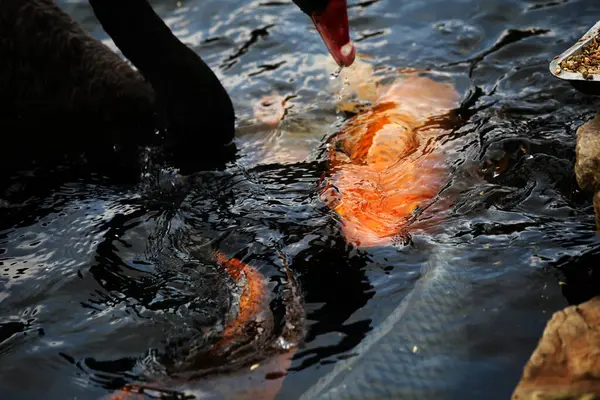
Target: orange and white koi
point(381, 166)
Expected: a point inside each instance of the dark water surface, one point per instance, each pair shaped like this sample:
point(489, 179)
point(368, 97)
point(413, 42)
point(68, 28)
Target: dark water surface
point(94, 275)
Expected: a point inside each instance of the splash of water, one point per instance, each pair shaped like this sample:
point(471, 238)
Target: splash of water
point(335, 74)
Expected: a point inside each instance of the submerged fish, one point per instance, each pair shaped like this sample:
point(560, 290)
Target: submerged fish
point(381, 170)
point(382, 165)
point(248, 361)
point(420, 350)
point(384, 168)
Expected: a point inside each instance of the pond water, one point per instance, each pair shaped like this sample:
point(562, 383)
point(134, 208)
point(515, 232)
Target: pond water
point(94, 274)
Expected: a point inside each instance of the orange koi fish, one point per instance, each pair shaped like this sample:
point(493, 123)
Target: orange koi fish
point(262, 380)
point(381, 166)
point(253, 299)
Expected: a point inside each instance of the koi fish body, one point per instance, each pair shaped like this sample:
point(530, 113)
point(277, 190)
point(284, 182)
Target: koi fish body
point(382, 167)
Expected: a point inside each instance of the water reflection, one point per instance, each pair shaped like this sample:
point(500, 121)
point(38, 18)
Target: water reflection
point(100, 281)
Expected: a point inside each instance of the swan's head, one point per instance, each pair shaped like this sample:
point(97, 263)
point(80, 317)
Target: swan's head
point(331, 19)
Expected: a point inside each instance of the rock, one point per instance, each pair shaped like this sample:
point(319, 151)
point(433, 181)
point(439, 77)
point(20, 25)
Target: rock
point(597, 210)
point(587, 164)
point(566, 363)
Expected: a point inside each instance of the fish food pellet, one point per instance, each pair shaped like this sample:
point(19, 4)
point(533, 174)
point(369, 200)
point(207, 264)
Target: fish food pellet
point(587, 62)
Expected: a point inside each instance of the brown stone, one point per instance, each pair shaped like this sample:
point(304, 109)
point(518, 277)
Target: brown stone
point(566, 363)
point(597, 210)
point(587, 164)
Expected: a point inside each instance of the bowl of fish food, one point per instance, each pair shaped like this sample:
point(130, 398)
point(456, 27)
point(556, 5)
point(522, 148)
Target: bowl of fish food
point(580, 63)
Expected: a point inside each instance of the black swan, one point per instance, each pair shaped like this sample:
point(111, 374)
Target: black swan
point(63, 92)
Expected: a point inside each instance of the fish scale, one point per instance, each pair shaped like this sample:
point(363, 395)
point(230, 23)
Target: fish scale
point(408, 354)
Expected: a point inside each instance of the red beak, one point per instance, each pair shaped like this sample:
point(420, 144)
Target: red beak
point(332, 24)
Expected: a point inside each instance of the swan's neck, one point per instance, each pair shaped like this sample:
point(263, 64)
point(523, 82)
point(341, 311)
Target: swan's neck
point(197, 107)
